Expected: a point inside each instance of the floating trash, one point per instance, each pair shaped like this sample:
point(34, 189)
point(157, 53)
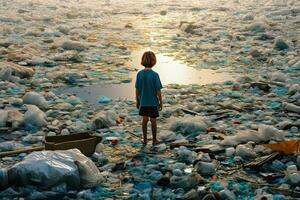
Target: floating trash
point(104, 100)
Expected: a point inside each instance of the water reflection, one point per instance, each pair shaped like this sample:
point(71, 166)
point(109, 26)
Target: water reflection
point(169, 69)
point(174, 71)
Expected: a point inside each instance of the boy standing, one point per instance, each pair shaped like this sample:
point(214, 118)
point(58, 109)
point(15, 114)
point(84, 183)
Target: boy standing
point(148, 95)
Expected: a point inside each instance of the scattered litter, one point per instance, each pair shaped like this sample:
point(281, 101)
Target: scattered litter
point(291, 107)
point(35, 99)
point(245, 151)
point(189, 125)
point(15, 70)
point(290, 147)
point(104, 100)
point(217, 138)
point(104, 120)
point(280, 44)
point(71, 45)
point(265, 133)
point(205, 168)
point(10, 146)
point(50, 168)
point(34, 117)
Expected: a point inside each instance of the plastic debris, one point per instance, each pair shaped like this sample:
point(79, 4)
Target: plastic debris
point(10, 146)
point(99, 148)
point(290, 147)
point(291, 107)
point(189, 125)
point(205, 168)
point(15, 119)
point(104, 120)
point(15, 70)
point(230, 75)
point(35, 99)
point(72, 45)
point(280, 44)
point(230, 151)
point(265, 133)
point(104, 100)
point(3, 117)
point(245, 151)
point(34, 117)
point(50, 168)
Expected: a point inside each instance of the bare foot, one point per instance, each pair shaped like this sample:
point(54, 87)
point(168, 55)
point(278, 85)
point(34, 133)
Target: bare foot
point(144, 142)
point(155, 142)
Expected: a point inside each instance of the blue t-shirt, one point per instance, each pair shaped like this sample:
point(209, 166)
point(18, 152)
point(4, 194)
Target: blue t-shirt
point(148, 83)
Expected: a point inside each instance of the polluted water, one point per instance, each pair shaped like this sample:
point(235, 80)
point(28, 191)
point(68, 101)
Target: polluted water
point(229, 125)
point(170, 71)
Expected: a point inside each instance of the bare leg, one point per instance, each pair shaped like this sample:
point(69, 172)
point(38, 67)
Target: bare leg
point(154, 130)
point(145, 122)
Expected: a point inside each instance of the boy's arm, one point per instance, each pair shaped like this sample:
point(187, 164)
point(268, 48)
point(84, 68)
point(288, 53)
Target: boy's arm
point(159, 99)
point(137, 98)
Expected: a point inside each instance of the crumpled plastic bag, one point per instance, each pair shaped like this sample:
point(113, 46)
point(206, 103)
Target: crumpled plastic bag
point(104, 120)
point(291, 107)
point(278, 76)
point(35, 98)
point(50, 168)
point(10, 146)
point(88, 171)
point(265, 133)
point(34, 117)
point(189, 124)
point(12, 117)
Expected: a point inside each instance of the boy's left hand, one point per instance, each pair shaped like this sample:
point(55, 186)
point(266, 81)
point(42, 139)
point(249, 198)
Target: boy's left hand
point(160, 107)
point(138, 105)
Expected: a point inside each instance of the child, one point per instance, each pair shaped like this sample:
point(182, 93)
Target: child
point(148, 95)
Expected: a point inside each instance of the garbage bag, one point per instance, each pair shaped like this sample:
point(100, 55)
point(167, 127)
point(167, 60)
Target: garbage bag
point(104, 120)
point(189, 124)
point(88, 171)
point(50, 168)
point(34, 117)
point(35, 98)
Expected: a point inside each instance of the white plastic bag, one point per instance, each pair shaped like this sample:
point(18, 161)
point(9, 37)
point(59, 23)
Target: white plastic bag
point(35, 98)
point(50, 168)
point(189, 124)
point(265, 133)
point(34, 116)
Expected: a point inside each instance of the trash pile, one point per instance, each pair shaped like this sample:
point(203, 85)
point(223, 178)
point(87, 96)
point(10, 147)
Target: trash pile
point(235, 140)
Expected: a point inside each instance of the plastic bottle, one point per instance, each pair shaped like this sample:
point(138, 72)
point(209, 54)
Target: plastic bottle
point(227, 194)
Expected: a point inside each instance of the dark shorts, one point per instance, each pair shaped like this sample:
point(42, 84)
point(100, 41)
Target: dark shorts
point(149, 111)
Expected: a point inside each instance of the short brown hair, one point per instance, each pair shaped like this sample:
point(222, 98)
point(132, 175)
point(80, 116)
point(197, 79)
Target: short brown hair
point(148, 59)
